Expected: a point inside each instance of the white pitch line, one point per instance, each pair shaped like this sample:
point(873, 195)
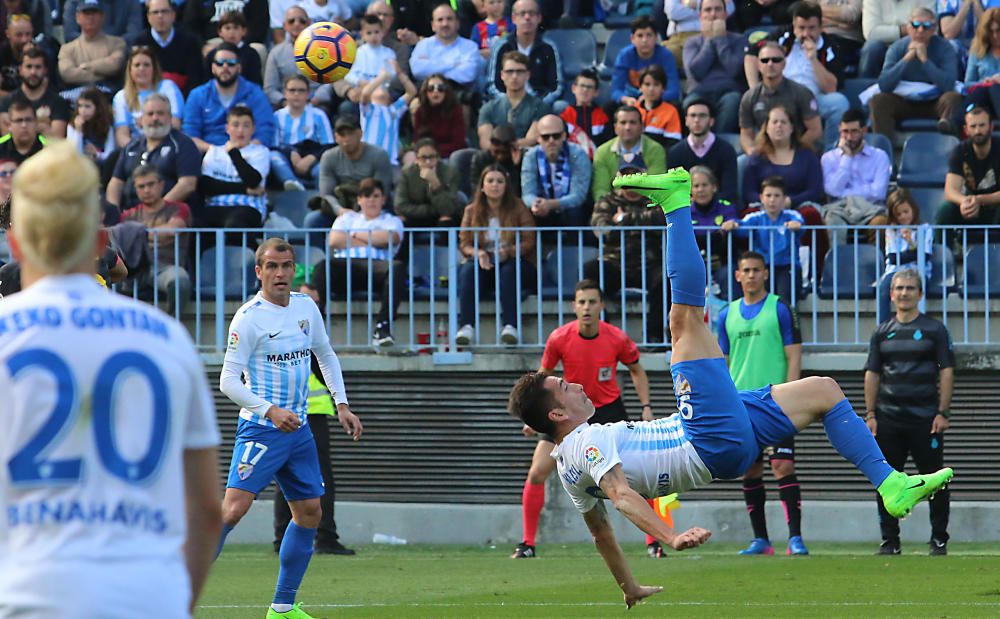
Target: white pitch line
point(601, 604)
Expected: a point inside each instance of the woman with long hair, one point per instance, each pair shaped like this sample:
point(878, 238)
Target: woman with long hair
point(902, 244)
point(91, 128)
point(982, 73)
point(143, 77)
point(437, 114)
point(497, 232)
point(781, 152)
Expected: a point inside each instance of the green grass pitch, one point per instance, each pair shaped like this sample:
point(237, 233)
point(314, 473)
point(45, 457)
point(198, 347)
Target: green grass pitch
point(838, 580)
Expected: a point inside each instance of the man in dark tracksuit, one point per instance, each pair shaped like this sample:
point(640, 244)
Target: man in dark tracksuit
point(906, 409)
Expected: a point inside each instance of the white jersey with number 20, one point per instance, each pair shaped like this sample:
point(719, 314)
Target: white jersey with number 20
point(101, 397)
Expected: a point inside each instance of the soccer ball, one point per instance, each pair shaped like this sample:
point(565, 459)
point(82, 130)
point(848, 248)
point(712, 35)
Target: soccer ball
point(324, 52)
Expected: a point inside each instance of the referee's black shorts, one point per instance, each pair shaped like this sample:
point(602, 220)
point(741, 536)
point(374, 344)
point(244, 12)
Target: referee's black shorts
point(609, 413)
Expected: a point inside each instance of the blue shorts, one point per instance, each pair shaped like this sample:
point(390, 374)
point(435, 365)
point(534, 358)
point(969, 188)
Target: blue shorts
point(263, 453)
point(728, 428)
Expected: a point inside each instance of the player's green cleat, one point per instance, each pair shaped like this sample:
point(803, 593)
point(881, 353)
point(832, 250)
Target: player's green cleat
point(295, 613)
point(669, 191)
point(900, 492)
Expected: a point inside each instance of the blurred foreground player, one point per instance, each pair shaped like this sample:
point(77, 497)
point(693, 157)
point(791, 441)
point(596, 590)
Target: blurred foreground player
point(271, 341)
point(718, 432)
point(108, 485)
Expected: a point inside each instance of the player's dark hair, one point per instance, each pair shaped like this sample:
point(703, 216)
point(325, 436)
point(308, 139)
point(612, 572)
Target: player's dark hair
point(531, 402)
point(371, 19)
point(278, 244)
point(589, 284)
point(642, 23)
point(515, 56)
point(807, 9)
point(773, 181)
point(654, 71)
point(751, 255)
point(234, 18)
point(240, 110)
point(853, 116)
point(368, 186)
point(20, 103)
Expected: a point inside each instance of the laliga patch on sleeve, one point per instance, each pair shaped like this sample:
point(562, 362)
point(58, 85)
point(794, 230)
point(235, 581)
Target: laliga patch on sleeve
point(593, 456)
point(234, 341)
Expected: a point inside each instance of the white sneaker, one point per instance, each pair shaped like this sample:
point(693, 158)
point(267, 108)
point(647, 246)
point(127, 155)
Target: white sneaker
point(464, 335)
point(294, 185)
point(509, 335)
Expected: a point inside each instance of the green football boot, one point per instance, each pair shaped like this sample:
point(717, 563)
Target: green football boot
point(669, 191)
point(295, 613)
point(900, 492)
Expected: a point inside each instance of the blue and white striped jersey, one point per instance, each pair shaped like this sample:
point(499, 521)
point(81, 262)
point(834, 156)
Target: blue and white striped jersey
point(380, 126)
point(656, 457)
point(271, 346)
point(312, 124)
point(353, 221)
point(125, 117)
point(218, 165)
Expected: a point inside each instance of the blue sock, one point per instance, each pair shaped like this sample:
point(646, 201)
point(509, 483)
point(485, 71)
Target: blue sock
point(296, 551)
point(685, 266)
point(222, 540)
point(852, 439)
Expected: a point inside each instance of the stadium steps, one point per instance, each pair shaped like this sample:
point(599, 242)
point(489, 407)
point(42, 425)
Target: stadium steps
point(445, 437)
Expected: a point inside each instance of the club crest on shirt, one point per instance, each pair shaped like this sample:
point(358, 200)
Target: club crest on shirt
point(244, 470)
point(681, 385)
point(304, 326)
point(234, 341)
point(604, 374)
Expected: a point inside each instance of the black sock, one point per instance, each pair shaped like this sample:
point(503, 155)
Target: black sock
point(755, 495)
point(791, 499)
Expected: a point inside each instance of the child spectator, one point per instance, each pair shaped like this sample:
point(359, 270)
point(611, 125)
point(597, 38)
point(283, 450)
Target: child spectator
point(142, 78)
point(232, 176)
point(587, 124)
point(775, 234)
point(380, 116)
point(302, 135)
point(902, 245)
point(91, 128)
point(233, 29)
point(660, 119)
point(633, 58)
point(372, 57)
point(495, 26)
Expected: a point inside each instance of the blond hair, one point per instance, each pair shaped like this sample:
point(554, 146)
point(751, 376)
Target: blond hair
point(56, 208)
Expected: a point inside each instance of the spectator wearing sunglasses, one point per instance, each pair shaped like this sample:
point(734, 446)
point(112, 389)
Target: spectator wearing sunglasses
point(94, 59)
point(921, 58)
point(175, 48)
point(281, 59)
point(36, 12)
point(883, 22)
point(437, 114)
point(207, 106)
point(555, 178)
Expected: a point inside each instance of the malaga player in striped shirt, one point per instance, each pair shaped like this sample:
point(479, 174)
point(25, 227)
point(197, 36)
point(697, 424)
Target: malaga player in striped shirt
point(271, 341)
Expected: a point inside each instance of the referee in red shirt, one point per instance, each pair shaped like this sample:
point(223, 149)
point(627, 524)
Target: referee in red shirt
point(590, 351)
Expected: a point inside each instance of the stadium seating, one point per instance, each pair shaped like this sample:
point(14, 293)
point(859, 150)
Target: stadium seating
point(927, 199)
point(882, 142)
point(577, 49)
point(733, 139)
point(924, 162)
point(461, 160)
point(982, 271)
point(566, 262)
point(618, 40)
point(429, 265)
point(292, 204)
point(853, 87)
point(239, 280)
point(309, 258)
point(850, 271)
point(941, 278)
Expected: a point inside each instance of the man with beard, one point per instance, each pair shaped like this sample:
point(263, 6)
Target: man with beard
point(173, 154)
point(501, 150)
point(51, 110)
point(971, 189)
point(703, 147)
point(207, 105)
point(20, 36)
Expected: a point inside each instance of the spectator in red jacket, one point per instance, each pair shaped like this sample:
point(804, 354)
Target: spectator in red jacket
point(437, 114)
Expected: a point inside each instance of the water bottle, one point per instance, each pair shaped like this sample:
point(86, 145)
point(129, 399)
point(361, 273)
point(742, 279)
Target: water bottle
point(392, 540)
point(441, 336)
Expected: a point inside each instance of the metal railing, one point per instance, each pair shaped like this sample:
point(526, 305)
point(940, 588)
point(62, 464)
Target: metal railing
point(836, 301)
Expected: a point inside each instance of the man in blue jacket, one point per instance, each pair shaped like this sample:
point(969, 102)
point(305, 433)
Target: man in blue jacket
point(207, 105)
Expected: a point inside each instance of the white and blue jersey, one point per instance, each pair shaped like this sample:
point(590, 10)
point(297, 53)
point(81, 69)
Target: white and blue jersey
point(380, 126)
point(102, 397)
point(271, 346)
point(125, 117)
point(312, 124)
point(218, 165)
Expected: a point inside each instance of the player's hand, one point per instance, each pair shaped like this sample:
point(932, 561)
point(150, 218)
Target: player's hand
point(940, 424)
point(693, 537)
point(528, 430)
point(793, 225)
point(647, 413)
point(640, 593)
point(284, 419)
point(349, 421)
point(872, 426)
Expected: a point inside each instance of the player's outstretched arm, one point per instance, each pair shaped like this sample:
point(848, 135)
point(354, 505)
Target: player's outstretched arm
point(204, 515)
point(631, 504)
point(611, 552)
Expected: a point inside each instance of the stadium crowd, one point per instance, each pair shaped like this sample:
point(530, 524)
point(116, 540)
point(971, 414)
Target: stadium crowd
point(480, 114)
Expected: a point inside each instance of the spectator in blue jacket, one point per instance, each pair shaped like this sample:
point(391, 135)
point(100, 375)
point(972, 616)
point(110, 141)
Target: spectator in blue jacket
point(205, 113)
point(122, 18)
point(555, 177)
point(633, 58)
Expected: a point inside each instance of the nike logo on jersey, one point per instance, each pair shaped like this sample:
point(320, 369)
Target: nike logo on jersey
point(914, 486)
point(273, 335)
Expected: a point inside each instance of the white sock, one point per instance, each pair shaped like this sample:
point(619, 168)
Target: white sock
point(281, 608)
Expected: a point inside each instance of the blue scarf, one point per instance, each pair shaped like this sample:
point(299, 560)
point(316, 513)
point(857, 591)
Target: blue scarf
point(554, 186)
